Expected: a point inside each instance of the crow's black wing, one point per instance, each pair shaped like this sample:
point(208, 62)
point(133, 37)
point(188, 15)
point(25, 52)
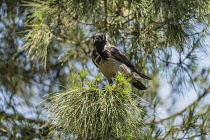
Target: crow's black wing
point(94, 55)
point(121, 58)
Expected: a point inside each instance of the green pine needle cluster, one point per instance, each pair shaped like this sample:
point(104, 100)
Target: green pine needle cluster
point(89, 112)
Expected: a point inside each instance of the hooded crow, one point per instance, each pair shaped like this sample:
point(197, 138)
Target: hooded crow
point(110, 61)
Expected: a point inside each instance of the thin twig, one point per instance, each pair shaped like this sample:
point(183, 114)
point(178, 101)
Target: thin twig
point(3, 130)
point(124, 22)
point(206, 91)
point(167, 133)
point(85, 23)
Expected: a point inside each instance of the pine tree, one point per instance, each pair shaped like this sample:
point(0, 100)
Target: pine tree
point(165, 39)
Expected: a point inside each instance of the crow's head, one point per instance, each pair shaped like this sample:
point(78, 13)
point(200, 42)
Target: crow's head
point(99, 39)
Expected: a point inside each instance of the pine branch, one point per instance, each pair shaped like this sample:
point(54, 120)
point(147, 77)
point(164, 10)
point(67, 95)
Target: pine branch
point(194, 136)
point(69, 41)
point(85, 23)
point(167, 134)
point(206, 91)
point(42, 129)
point(106, 13)
point(3, 131)
point(105, 113)
point(120, 23)
point(19, 117)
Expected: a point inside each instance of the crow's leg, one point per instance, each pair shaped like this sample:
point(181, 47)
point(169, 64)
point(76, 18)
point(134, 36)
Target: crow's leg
point(111, 81)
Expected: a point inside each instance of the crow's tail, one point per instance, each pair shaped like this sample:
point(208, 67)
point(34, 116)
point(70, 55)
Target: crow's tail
point(139, 85)
point(144, 76)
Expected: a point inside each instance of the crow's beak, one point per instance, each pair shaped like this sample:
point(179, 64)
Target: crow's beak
point(96, 39)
